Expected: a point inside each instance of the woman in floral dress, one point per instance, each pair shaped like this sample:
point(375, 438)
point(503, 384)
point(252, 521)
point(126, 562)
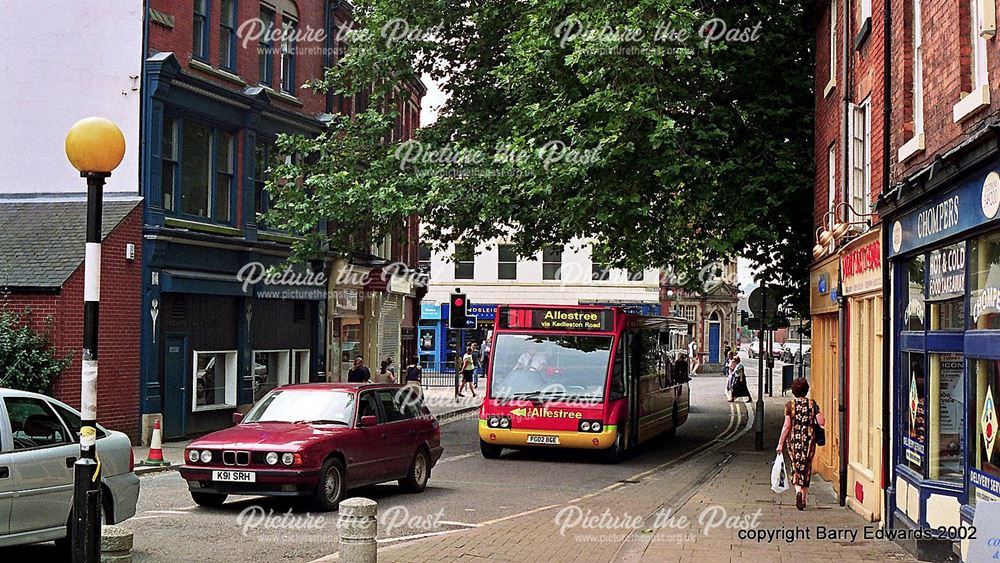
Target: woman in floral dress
point(801, 414)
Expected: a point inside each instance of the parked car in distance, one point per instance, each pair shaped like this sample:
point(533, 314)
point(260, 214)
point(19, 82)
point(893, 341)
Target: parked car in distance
point(791, 351)
point(754, 350)
point(39, 443)
point(316, 441)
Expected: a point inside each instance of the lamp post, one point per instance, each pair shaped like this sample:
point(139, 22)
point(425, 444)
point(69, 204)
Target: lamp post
point(95, 147)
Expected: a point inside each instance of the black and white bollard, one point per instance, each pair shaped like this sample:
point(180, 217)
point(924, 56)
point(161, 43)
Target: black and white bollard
point(357, 528)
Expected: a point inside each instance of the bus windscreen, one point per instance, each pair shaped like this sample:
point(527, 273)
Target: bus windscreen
point(550, 366)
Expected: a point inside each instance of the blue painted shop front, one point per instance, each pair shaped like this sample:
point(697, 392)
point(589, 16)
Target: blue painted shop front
point(438, 345)
point(212, 344)
point(945, 255)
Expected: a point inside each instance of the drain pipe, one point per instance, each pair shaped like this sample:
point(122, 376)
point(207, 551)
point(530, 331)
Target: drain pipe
point(846, 183)
point(887, 294)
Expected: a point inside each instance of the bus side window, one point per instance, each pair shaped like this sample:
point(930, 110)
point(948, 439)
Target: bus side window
point(617, 389)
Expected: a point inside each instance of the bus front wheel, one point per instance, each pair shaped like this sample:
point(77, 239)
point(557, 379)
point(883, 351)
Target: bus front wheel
point(615, 453)
point(490, 451)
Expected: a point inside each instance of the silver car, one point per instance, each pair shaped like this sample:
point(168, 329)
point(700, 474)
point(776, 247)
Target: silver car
point(38, 446)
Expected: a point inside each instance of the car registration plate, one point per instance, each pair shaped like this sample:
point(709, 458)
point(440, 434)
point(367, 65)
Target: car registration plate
point(236, 476)
point(547, 440)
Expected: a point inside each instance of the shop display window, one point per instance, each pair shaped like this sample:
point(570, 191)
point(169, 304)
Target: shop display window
point(984, 281)
point(914, 313)
point(914, 412)
point(946, 287)
point(984, 460)
point(214, 380)
point(946, 400)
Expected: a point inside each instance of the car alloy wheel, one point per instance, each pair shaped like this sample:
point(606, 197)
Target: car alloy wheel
point(331, 485)
point(416, 479)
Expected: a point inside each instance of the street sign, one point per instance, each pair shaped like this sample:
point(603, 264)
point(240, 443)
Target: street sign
point(756, 302)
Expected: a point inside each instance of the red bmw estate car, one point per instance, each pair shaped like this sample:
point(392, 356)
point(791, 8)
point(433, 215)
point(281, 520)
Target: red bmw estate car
point(317, 440)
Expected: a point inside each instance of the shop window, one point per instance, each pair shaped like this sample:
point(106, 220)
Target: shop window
point(300, 366)
point(214, 380)
point(984, 310)
point(168, 163)
point(270, 370)
point(914, 407)
point(946, 288)
point(914, 312)
point(945, 403)
point(506, 262)
point(465, 265)
point(552, 263)
point(983, 458)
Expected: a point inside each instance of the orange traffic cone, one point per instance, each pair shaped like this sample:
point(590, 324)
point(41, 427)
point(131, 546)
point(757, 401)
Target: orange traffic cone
point(155, 456)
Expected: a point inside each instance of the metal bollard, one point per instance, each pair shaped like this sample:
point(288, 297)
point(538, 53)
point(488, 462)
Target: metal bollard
point(357, 529)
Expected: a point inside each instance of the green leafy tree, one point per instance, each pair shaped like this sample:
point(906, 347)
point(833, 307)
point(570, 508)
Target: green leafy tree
point(28, 358)
point(573, 118)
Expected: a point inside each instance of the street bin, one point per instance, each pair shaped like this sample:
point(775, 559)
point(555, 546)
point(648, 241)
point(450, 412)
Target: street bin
point(787, 376)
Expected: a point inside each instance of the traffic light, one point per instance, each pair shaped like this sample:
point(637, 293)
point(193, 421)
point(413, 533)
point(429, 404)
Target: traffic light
point(744, 318)
point(457, 315)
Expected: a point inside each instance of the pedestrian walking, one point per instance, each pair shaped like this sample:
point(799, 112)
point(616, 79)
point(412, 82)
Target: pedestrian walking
point(802, 417)
point(387, 373)
point(360, 372)
point(468, 371)
point(728, 370)
point(693, 356)
point(739, 388)
point(477, 364)
point(414, 373)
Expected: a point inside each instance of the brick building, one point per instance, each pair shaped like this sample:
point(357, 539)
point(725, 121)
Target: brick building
point(41, 249)
point(943, 248)
point(845, 302)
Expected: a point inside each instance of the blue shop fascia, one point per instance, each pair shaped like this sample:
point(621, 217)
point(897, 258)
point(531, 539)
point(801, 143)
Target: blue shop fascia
point(437, 345)
point(944, 251)
point(212, 343)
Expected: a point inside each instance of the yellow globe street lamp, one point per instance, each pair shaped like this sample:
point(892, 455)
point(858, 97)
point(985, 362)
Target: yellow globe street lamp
point(95, 147)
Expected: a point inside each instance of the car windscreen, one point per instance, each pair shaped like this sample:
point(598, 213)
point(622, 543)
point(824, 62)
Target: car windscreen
point(550, 366)
point(301, 405)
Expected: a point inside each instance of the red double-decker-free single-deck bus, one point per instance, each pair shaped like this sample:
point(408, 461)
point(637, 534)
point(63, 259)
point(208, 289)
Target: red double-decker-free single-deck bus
point(582, 377)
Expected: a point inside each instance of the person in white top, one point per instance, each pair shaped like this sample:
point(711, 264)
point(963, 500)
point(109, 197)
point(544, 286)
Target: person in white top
point(693, 359)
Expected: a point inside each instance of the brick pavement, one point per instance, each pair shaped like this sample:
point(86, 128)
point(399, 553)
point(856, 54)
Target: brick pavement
point(730, 481)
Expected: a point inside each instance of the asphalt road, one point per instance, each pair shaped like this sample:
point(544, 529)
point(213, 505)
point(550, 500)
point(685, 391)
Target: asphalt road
point(465, 490)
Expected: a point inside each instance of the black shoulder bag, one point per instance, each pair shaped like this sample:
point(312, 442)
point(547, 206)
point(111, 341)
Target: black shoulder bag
point(819, 434)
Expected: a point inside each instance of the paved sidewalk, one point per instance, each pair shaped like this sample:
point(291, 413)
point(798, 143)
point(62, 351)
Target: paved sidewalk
point(687, 511)
point(440, 400)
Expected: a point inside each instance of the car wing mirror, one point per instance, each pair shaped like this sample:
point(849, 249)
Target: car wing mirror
point(369, 420)
point(237, 417)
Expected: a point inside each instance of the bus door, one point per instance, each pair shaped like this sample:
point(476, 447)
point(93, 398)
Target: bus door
point(632, 379)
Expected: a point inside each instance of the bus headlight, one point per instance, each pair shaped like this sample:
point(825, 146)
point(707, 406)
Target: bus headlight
point(504, 423)
point(493, 422)
point(585, 426)
point(595, 427)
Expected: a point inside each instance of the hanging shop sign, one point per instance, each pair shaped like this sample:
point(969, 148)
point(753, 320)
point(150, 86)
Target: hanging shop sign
point(973, 203)
point(430, 311)
point(861, 264)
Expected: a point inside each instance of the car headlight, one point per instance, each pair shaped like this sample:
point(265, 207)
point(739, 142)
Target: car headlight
point(287, 458)
point(193, 456)
point(494, 422)
point(271, 458)
point(504, 423)
point(585, 426)
point(596, 427)
point(206, 456)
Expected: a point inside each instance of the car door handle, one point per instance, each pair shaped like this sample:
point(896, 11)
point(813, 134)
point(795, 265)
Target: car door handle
point(70, 461)
point(4, 472)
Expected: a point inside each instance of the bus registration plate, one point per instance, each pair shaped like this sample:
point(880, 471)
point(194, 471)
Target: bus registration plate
point(547, 440)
